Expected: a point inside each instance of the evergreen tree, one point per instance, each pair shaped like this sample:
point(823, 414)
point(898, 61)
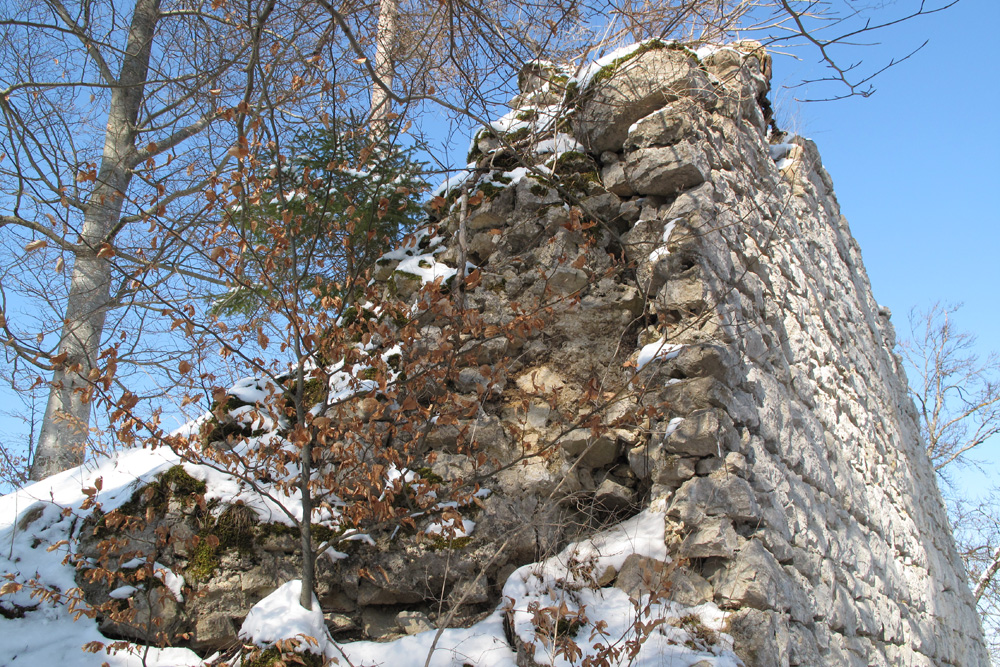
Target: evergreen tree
point(334, 206)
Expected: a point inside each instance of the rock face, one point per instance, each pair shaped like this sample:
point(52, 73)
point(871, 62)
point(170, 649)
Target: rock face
point(707, 338)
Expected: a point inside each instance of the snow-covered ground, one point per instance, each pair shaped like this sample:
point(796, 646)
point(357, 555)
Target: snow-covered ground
point(38, 526)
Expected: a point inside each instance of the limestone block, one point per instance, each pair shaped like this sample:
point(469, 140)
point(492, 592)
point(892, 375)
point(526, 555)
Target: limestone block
point(663, 127)
point(702, 497)
point(760, 638)
point(704, 360)
point(713, 537)
point(531, 195)
point(755, 579)
point(684, 292)
point(614, 180)
point(469, 592)
point(638, 87)
point(604, 205)
point(698, 394)
point(671, 470)
point(567, 280)
point(689, 588)
point(613, 496)
point(702, 433)
point(213, 630)
point(371, 594)
point(471, 379)
point(666, 170)
point(640, 575)
point(379, 622)
point(413, 622)
point(597, 451)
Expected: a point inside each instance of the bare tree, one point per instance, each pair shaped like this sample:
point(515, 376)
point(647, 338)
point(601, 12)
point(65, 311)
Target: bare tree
point(170, 86)
point(956, 391)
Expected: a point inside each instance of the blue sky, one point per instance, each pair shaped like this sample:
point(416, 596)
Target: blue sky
point(916, 168)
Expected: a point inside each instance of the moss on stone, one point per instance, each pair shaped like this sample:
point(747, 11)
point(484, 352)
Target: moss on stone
point(174, 482)
point(273, 656)
point(318, 532)
point(202, 562)
point(439, 543)
point(236, 528)
point(611, 68)
point(573, 162)
point(539, 190)
point(520, 134)
point(429, 475)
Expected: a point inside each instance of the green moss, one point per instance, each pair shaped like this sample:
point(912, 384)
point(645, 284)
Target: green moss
point(574, 162)
point(430, 476)
point(273, 656)
point(490, 190)
point(181, 483)
point(520, 134)
point(439, 543)
point(318, 532)
point(228, 404)
point(611, 68)
point(703, 635)
point(398, 277)
point(369, 374)
point(174, 482)
point(202, 562)
point(236, 528)
point(349, 316)
point(539, 190)
point(588, 182)
point(505, 160)
point(528, 115)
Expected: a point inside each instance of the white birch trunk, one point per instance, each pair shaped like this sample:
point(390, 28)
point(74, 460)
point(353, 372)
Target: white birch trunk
point(385, 69)
point(987, 576)
point(65, 428)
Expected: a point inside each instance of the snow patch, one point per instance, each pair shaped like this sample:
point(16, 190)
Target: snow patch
point(280, 616)
point(661, 252)
point(659, 349)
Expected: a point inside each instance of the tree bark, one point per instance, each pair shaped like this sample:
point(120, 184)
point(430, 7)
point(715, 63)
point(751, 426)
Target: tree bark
point(987, 576)
point(385, 69)
point(65, 427)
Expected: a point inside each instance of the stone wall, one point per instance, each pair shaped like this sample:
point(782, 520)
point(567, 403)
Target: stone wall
point(699, 334)
point(799, 494)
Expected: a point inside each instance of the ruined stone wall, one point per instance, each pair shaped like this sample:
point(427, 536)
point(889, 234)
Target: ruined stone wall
point(668, 311)
point(788, 451)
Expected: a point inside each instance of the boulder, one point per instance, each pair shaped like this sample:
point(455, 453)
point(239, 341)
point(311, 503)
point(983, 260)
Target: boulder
point(640, 575)
point(614, 497)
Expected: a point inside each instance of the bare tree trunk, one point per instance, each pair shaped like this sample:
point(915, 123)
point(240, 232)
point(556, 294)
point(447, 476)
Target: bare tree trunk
point(385, 70)
point(65, 426)
point(987, 575)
